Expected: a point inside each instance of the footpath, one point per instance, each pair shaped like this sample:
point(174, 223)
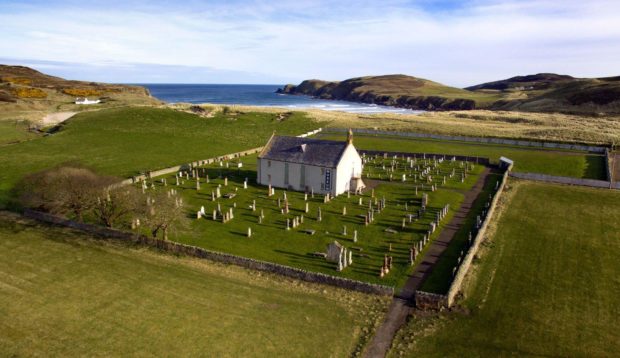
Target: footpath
point(403, 302)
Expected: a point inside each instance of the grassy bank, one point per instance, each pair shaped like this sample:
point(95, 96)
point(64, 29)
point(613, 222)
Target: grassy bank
point(63, 294)
point(546, 284)
point(127, 141)
point(478, 123)
point(14, 131)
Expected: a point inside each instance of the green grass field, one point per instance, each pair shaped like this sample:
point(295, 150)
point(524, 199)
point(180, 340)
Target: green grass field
point(571, 164)
point(272, 242)
point(547, 283)
point(126, 141)
point(64, 294)
point(14, 131)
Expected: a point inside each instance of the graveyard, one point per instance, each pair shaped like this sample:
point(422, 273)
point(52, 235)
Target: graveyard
point(381, 233)
point(545, 283)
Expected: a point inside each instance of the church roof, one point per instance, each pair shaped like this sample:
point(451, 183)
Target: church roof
point(317, 152)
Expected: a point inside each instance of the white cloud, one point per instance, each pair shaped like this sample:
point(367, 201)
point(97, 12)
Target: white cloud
point(457, 45)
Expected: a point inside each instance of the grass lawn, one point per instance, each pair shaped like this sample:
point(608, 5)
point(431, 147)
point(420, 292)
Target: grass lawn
point(571, 164)
point(14, 131)
point(547, 283)
point(64, 294)
point(272, 242)
point(126, 141)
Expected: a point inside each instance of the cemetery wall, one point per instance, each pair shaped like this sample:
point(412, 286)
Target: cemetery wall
point(193, 251)
point(477, 160)
point(593, 183)
point(457, 283)
point(430, 301)
point(484, 140)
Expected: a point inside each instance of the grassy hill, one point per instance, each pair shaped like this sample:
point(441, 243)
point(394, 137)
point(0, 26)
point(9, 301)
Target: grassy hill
point(544, 92)
point(545, 284)
point(126, 141)
point(25, 89)
point(548, 92)
point(394, 90)
point(63, 293)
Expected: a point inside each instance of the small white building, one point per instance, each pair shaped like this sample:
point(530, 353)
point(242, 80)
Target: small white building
point(310, 165)
point(85, 100)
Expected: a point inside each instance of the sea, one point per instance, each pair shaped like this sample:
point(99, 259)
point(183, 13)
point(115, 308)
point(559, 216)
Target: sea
point(259, 95)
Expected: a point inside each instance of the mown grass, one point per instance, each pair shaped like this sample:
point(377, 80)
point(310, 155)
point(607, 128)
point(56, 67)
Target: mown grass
point(127, 141)
point(271, 241)
point(571, 164)
point(64, 294)
point(546, 284)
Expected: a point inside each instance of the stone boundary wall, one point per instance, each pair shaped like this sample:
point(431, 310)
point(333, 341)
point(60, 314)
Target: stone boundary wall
point(457, 283)
point(593, 183)
point(193, 251)
point(427, 300)
point(430, 301)
point(484, 140)
point(477, 160)
point(177, 168)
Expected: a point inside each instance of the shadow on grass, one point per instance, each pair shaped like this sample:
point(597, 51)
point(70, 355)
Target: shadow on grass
point(595, 168)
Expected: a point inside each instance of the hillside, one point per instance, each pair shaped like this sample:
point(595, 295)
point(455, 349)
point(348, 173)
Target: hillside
point(548, 92)
point(544, 92)
point(394, 90)
point(23, 89)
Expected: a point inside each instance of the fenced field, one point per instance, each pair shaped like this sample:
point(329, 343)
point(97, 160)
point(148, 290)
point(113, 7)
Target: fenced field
point(545, 284)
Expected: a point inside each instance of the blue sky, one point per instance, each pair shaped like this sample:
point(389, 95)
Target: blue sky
point(458, 43)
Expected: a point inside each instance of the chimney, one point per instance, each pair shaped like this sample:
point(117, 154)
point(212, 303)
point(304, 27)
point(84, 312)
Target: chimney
point(350, 137)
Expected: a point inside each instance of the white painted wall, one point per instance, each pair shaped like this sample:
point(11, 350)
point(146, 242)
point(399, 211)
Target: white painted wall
point(350, 165)
point(314, 176)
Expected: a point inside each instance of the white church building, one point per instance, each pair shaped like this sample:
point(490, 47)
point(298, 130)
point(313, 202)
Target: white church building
point(310, 165)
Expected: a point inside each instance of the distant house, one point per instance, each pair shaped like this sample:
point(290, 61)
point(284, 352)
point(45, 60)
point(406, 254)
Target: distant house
point(311, 165)
point(85, 100)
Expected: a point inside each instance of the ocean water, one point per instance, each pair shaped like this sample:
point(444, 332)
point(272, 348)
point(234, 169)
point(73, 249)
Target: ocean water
point(258, 95)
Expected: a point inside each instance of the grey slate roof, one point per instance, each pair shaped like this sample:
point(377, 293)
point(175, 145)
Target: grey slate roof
point(323, 153)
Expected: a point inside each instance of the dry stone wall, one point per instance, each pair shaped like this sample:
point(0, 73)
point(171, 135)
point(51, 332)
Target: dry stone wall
point(485, 140)
point(194, 251)
point(593, 183)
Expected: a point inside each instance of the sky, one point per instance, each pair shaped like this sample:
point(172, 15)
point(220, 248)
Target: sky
point(458, 43)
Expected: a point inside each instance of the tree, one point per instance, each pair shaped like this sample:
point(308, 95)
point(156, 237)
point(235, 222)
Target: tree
point(116, 204)
point(63, 190)
point(162, 212)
